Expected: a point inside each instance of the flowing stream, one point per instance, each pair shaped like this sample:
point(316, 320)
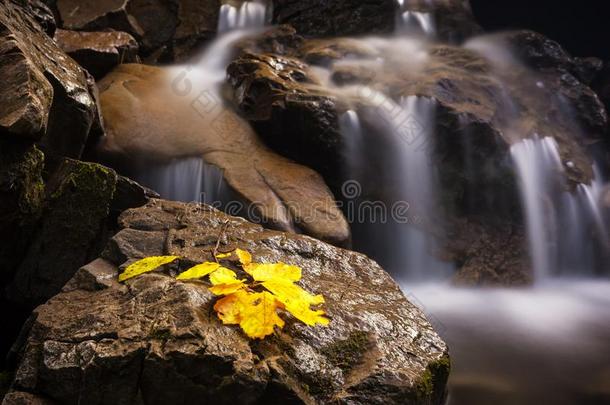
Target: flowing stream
point(520, 346)
point(534, 345)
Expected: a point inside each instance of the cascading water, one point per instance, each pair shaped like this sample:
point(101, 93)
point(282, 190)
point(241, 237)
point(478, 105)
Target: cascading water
point(502, 340)
point(249, 14)
point(406, 128)
point(414, 22)
point(191, 179)
point(566, 230)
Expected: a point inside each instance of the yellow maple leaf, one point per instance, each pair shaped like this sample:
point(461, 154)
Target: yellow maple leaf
point(297, 301)
point(145, 265)
point(228, 308)
point(226, 289)
point(273, 271)
point(223, 255)
point(258, 314)
point(223, 276)
point(245, 258)
point(225, 282)
point(199, 271)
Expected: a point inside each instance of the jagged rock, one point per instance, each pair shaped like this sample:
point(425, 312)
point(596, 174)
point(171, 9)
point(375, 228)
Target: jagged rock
point(174, 28)
point(98, 52)
point(171, 124)
point(155, 340)
point(42, 13)
point(44, 94)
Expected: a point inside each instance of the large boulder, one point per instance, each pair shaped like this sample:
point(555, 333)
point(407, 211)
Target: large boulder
point(171, 28)
point(44, 96)
point(98, 52)
point(148, 117)
point(155, 340)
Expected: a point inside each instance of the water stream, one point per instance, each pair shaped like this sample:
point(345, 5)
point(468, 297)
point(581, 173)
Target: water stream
point(191, 179)
point(522, 346)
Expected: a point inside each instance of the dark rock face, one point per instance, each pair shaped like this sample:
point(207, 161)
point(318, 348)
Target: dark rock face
point(98, 52)
point(318, 18)
point(42, 13)
point(21, 201)
point(156, 341)
point(44, 94)
point(171, 29)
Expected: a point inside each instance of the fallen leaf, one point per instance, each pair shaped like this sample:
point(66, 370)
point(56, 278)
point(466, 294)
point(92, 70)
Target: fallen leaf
point(245, 258)
point(297, 301)
point(275, 271)
point(258, 314)
point(145, 265)
point(199, 271)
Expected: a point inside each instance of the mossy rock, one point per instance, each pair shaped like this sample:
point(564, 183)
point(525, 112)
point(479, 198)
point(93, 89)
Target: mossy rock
point(70, 233)
point(21, 200)
point(347, 353)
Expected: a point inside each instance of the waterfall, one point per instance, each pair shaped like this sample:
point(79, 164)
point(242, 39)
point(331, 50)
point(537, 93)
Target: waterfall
point(416, 22)
point(185, 179)
point(411, 22)
point(191, 179)
point(250, 14)
point(566, 230)
point(404, 159)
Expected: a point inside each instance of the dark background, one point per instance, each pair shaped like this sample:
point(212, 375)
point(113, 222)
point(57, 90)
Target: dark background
point(582, 26)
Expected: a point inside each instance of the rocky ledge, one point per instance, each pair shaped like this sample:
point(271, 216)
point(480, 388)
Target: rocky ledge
point(155, 340)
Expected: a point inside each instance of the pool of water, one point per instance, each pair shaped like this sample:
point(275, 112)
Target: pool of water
point(548, 344)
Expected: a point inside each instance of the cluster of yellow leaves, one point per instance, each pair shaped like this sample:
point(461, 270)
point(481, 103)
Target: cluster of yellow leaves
point(252, 302)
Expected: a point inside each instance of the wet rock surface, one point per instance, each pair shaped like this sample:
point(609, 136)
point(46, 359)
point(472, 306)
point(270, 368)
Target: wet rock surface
point(318, 18)
point(98, 52)
point(155, 340)
point(46, 96)
point(285, 195)
point(169, 29)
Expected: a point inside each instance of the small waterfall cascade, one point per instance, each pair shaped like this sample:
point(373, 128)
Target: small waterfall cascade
point(185, 179)
point(414, 22)
point(250, 14)
point(566, 230)
point(191, 179)
point(406, 127)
